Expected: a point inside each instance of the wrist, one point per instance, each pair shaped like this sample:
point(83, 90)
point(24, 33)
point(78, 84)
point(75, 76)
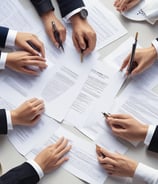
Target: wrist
point(14, 117)
point(48, 16)
point(76, 19)
point(143, 132)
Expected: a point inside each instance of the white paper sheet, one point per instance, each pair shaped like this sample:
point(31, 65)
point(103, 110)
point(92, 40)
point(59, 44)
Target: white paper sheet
point(82, 161)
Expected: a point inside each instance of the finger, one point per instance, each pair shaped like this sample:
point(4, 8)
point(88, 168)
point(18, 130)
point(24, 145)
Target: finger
point(28, 71)
point(60, 162)
point(60, 140)
point(40, 64)
point(90, 45)
point(63, 35)
point(62, 145)
point(36, 102)
point(125, 62)
point(63, 151)
point(132, 4)
point(75, 42)
point(39, 45)
point(119, 116)
point(107, 160)
point(35, 120)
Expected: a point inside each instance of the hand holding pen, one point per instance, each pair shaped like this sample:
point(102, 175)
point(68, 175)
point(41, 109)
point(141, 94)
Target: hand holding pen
point(57, 36)
point(130, 60)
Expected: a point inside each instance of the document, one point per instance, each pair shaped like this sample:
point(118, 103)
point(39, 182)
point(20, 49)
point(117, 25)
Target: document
point(139, 98)
point(107, 30)
point(102, 85)
point(82, 161)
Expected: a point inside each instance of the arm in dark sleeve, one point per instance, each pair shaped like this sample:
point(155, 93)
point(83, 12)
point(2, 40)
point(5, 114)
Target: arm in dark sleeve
point(153, 146)
point(3, 122)
point(23, 174)
point(67, 6)
point(43, 6)
point(3, 35)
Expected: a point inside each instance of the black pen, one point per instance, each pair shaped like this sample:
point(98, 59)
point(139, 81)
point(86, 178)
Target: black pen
point(57, 36)
point(33, 46)
point(106, 115)
point(132, 63)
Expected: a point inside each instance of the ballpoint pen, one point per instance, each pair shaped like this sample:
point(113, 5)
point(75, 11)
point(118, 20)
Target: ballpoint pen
point(33, 46)
point(57, 36)
point(106, 115)
point(132, 63)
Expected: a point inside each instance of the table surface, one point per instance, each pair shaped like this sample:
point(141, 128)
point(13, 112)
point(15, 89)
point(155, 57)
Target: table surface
point(9, 157)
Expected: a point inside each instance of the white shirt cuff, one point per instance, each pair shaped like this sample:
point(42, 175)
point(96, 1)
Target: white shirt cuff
point(146, 174)
point(36, 167)
point(68, 16)
point(9, 120)
point(155, 44)
point(3, 59)
point(10, 41)
point(149, 135)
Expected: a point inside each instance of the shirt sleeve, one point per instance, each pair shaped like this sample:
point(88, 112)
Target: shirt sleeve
point(155, 44)
point(36, 167)
point(10, 41)
point(146, 174)
point(9, 120)
point(3, 58)
point(69, 15)
point(149, 135)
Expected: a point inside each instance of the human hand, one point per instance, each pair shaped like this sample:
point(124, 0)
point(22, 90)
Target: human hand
point(144, 58)
point(48, 18)
point(125, 5)
point(126, 127)
point(83, 35)
point(28, 113)
point(52, 157)
point(116, 164)
point(21, 41)
point(20, 61)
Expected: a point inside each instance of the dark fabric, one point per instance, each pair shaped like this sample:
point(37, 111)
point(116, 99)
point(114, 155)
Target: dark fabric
point(42, 6)
point(153, 146)
point(23, 174)
point(3, 35)
point(67, 6)
point(3, 122)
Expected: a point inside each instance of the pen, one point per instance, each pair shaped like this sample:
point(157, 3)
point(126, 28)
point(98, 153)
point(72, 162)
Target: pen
point(33, 46)
point(132, 63)
point(106, 115)
point(82, 50)
point(57, 36)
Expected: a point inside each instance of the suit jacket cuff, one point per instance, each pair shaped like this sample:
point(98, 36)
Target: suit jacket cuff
point(3, 122)
point(154, 141)
point(68, 6)
point(3, 36)
point(42, 6)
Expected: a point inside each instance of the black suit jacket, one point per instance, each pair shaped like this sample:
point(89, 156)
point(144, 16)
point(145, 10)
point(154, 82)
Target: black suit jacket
point(23, 174)
point(65, 6)
point(153, 146)
point(3, 35)
point(3, 122)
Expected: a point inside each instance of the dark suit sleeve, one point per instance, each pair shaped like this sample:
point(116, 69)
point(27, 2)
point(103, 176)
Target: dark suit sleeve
point(67, 6)
point(3, 122)
point(42, 6)
point(23, 174)
point(3, 35)
point(153, 146)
